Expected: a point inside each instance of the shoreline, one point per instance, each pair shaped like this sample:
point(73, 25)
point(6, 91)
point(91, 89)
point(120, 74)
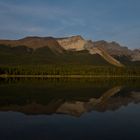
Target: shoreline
point(69, 76)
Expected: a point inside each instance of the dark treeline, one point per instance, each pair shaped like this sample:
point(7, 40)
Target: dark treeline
point(71, 82)
point(69, 70)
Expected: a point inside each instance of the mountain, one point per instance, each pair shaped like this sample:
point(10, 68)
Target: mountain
point(77, 43)
point(68, 50)
point(40, 51)
point(121, 53)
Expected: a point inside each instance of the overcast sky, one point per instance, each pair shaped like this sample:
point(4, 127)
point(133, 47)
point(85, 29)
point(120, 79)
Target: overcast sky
point(111, 20)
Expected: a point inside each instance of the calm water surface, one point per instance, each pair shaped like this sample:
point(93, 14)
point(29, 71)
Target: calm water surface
point(69, 109)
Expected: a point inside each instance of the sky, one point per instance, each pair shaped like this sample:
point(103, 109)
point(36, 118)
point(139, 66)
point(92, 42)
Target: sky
point(110, 20)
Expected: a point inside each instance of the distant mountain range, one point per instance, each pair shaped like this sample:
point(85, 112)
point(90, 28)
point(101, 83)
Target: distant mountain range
point(69, 50)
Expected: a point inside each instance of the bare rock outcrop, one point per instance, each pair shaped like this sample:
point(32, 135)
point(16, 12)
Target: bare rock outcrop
point(72, 43)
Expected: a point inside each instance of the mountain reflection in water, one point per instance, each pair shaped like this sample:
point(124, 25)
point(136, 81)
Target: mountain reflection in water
point(64, 96)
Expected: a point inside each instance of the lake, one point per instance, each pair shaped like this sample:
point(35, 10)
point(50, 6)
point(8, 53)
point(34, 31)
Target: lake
point(69, 109)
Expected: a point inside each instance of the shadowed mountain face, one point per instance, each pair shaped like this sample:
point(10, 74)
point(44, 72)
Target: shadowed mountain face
point(23, 55)
point(63, 96)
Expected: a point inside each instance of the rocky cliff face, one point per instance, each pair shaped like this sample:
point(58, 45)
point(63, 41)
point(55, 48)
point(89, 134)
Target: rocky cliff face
point(72, 43)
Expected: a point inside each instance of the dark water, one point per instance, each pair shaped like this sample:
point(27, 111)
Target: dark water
point(69, 109)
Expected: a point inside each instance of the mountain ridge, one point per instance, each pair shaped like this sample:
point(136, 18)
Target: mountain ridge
point(109, 51)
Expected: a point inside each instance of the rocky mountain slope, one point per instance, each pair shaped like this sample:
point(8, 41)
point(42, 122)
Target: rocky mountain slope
point(116, 50)
point(77, 43)
point(93, 50)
